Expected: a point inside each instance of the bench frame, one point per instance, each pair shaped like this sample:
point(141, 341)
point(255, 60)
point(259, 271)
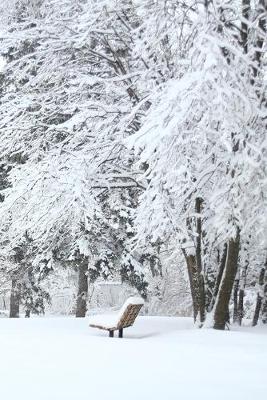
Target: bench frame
point(126, 320)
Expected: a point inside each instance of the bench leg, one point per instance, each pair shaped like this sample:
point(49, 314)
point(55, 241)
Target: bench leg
point(120, 333)
point(111, 333)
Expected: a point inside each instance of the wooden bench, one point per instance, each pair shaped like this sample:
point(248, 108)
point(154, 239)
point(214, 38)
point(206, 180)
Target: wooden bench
point(123, 319)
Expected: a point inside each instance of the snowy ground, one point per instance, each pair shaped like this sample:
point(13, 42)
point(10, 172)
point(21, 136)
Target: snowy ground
point(159, 358)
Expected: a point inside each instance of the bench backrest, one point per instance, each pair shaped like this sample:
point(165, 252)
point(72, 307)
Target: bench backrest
point(129, 315)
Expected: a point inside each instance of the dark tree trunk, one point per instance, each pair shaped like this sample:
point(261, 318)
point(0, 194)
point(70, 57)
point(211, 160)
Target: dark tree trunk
point(81, 305)
point(221, 314)
point(235, 313)
point(260, 295)
point(240, 310)
point(14, 299)
point(256, 315)
point(241, 295)
point(219, 277)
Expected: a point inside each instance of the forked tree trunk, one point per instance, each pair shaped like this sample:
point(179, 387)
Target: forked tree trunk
point(81, 305)
point(14, 299)
point(221, 313)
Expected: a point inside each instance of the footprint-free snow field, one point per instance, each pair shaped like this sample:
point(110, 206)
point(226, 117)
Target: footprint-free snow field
point(158, 359)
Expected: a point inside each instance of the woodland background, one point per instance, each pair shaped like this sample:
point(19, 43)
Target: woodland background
point(133, 157)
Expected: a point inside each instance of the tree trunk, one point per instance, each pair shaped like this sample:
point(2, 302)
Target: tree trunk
point(194, 268)
point(259, 298)
point(260, 295)
point(219, 277)
point(221, 314)
point(240, 309)
point(193, 281)
point(14, 299)
point(201, 286)
point(241, 295)
point(235, 313)
point(81, 305)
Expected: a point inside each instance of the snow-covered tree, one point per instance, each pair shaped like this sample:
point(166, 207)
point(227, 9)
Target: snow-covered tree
point(203, 141)
point(132, 133)
point(66, 104)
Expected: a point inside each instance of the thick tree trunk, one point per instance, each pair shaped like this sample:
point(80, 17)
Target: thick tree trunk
point(14, 299)
point(81, 305)
point(221, 314)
